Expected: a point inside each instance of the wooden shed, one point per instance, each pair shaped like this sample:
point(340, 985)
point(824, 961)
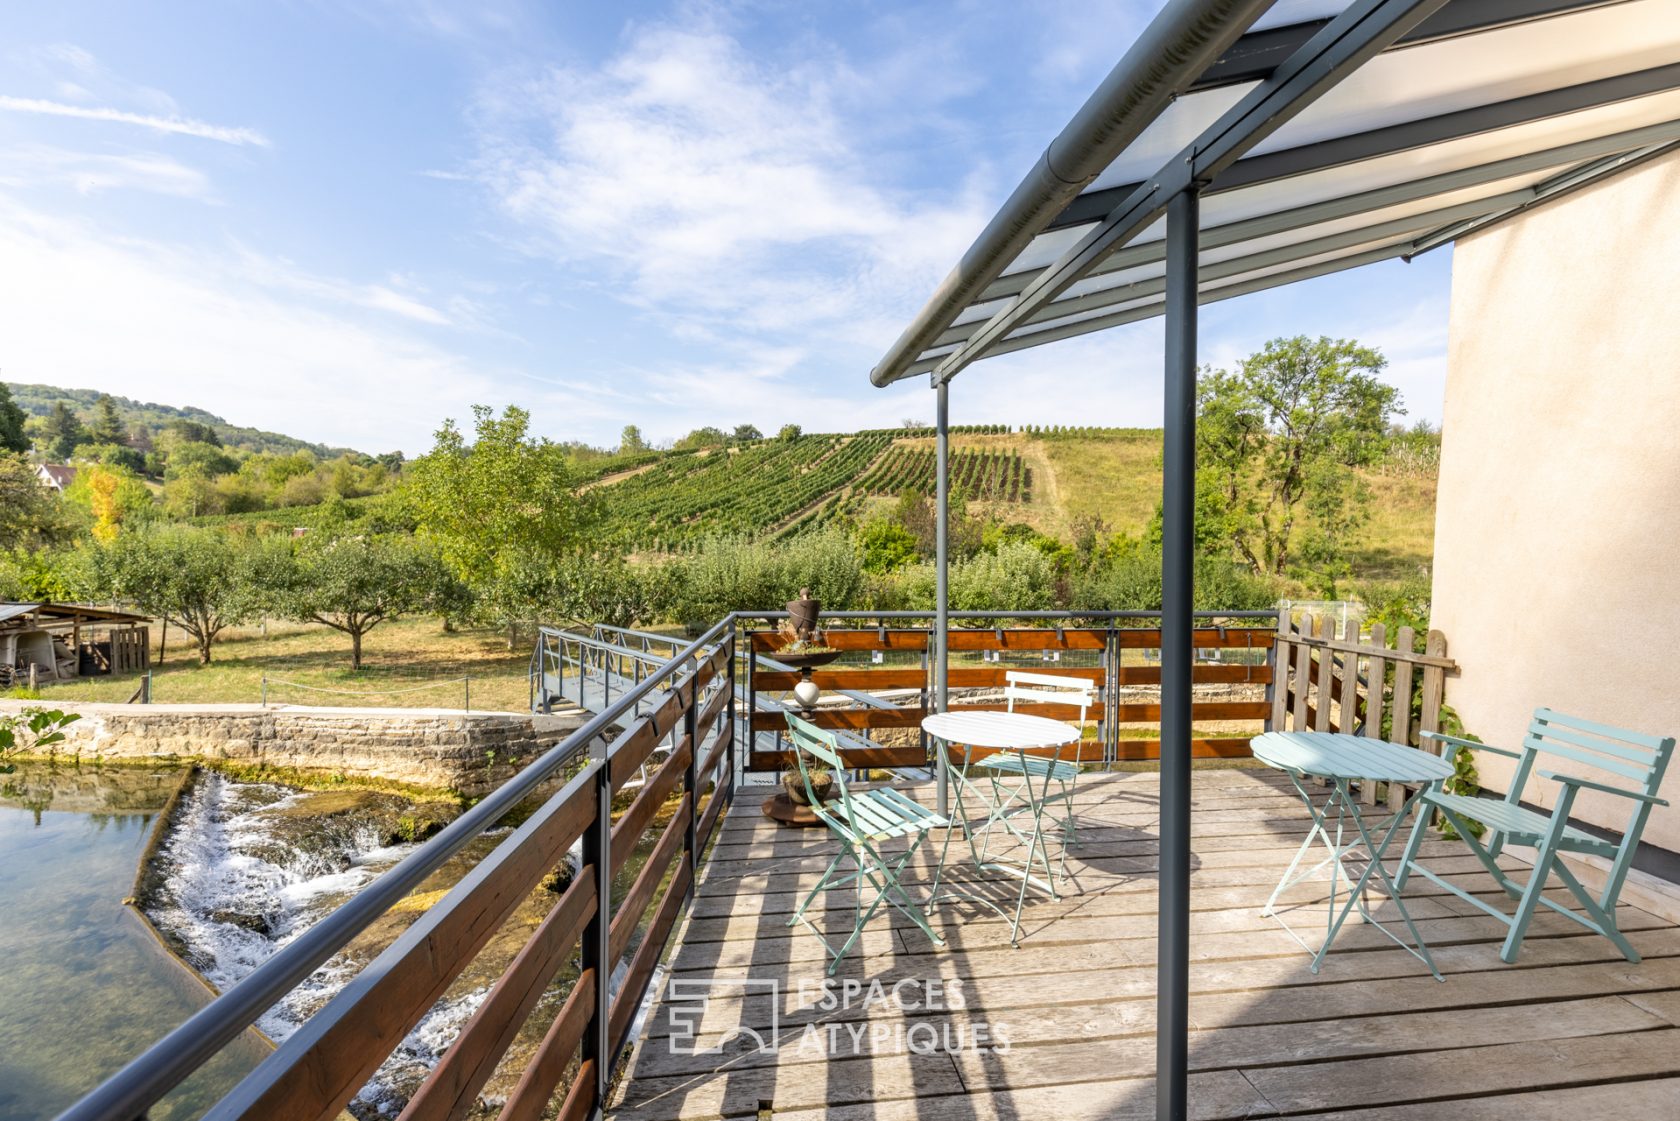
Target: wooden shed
point(60, 641)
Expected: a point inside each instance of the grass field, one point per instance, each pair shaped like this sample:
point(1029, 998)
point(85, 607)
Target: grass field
point(1118, 479)
point(411, 663)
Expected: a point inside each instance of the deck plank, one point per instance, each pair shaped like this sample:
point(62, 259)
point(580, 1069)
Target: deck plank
point(1571, 1033)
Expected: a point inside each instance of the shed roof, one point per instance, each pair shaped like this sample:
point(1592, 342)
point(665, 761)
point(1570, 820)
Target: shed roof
point(1324, 134)
point(67, 612)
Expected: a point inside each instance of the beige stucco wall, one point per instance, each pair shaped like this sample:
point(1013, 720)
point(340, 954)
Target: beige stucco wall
point(1557, 531)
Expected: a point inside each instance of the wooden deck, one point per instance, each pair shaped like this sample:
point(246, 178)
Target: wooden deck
point(1572, 1033)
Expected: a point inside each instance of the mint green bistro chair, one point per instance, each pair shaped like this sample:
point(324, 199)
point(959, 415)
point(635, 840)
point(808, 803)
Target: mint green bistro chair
point(1632, 757)
point(861, 821)
point(1008, 800)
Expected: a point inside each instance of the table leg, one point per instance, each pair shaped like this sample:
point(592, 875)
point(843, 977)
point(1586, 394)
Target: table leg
point(1346, 806)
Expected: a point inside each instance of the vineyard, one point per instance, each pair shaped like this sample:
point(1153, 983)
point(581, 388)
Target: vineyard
point(984, 476)
point(752, 488)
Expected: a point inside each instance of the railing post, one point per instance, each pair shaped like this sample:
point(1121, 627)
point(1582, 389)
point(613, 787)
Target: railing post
point(596, 948)
point(730, 757)
point(691, 729)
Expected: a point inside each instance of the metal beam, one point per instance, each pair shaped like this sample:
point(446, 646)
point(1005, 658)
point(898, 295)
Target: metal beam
point(1556, 187)
point(1397, 194)
point(1173, 51)
point(1178, 512)
point(1404, 137)
point(1256, 55)
point(1156, 307)
point(1278, 255)
point(942, 576)
point(1362, 31)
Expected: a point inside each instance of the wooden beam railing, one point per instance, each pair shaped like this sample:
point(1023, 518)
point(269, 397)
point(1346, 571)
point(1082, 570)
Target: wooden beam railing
point(1356, 684)
point(686, 703)
point(1250, 634)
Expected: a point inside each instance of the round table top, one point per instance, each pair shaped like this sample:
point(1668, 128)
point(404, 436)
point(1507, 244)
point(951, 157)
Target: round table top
point(999, 729)
point(1338, 755)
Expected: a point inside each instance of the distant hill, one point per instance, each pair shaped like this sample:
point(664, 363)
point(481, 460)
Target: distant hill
point(38, 400)
point(1051, 478)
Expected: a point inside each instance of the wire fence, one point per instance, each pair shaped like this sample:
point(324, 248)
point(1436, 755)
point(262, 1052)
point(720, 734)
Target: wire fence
point(465, 684)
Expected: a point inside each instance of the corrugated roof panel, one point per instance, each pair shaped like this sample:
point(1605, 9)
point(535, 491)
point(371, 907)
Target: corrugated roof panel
point(1510, 97)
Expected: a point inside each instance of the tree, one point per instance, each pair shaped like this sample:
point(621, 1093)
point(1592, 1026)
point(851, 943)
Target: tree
point(746, 433)
point(29, 514)
point(107, 426)
point(201, 580)
point(630, 442)
point(1279, 439)
point(789, 432)
point(112, 495)
point(63, 432)
point(12, 436)
point(199, 458)
point(352, 584)
point(707, 437)
point(505, 493)
point(184, 431)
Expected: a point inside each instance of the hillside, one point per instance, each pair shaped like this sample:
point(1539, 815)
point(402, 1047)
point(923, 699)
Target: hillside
point(152, 419)
point(1051, 480)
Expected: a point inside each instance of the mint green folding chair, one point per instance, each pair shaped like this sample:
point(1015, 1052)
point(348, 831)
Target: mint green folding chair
point(1007, 800)
point(1633, 757)
point(861, 821)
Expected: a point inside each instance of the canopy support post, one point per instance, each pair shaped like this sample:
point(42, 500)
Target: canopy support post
point(942, 589)
point(1178, 511)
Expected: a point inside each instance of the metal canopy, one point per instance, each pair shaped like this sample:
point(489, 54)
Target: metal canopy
point(1320, 138)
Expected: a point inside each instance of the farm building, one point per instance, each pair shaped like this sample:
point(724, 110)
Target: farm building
point(59, 641)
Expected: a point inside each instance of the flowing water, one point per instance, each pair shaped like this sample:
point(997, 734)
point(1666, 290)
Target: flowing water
point(242, 870)
point(84, 987)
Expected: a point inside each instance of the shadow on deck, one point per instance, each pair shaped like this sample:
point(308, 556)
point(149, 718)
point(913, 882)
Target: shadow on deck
point(1063, 1027)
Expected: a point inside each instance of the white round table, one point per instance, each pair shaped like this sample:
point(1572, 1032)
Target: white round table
point(1006, 730)
point(1016, 732)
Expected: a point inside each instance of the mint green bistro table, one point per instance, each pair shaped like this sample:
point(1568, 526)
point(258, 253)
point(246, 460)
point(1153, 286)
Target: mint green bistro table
point(1018, 733)
point(1342, 759)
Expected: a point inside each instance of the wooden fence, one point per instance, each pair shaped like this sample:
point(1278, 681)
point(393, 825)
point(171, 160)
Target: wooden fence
point(1360, 685)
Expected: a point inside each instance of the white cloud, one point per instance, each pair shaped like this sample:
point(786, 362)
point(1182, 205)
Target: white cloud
point(81, 308)
point(181, 126)
point(90, 173)
point(731, 194)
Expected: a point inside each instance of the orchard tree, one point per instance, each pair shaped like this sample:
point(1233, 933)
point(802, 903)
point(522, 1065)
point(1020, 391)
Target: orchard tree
point(13, 438)
point(201, 580)
point(506, 493)
point(353, 584)
point(1279, 440)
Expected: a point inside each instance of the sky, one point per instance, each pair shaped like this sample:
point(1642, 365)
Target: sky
point(347, 220)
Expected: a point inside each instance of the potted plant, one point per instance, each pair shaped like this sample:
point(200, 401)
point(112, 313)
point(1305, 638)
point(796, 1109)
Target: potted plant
point(822, 784)
point(804, 649)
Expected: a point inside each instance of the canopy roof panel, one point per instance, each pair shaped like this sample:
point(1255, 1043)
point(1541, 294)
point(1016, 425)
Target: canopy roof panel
point(1323, 136)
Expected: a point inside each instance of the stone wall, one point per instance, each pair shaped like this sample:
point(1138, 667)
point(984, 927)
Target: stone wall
point(470, 753)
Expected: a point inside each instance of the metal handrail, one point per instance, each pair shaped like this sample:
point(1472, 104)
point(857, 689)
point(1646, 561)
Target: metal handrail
point(167, 1063)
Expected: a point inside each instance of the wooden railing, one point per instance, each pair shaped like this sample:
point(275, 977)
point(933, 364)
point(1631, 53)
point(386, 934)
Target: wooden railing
point(1349, 683)
point(1118, 653)
point(317, 1070)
